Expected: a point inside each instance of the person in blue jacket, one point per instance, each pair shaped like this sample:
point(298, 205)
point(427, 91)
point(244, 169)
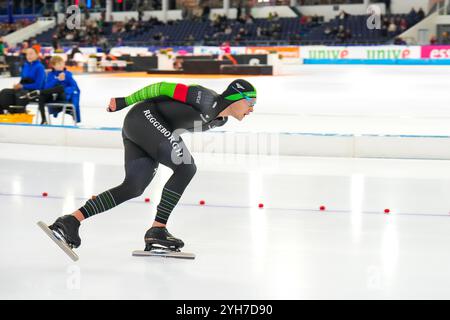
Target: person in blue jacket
point(59, 86)
point(32, 78)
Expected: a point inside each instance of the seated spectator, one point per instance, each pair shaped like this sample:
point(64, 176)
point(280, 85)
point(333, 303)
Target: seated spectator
point(343, 16)
point(420, 15)
point(205, 13)
point(2, 50)
point(249, 19)
point(403, 24)
point(190, 39)
point(399, 41)
point(32, 78)
point(258, 31)
point(445, 39)
point(315, 20)
point(433, 40)
point(304, 20)
point(275, 16)
point(24, 46)
point(59, 86)
point(341, 34)
point(384, 30)
point(392, 29)
point(348, 34)
point(36, 45)
point(412, 16)
point(55, 42)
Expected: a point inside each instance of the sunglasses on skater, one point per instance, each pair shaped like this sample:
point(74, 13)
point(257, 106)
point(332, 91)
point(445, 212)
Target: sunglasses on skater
point(250, 101)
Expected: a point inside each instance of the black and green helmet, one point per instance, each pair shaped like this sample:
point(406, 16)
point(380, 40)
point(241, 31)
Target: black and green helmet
point(237, 90)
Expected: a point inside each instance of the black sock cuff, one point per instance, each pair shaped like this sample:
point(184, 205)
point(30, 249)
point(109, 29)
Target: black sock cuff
point(84, 212)
point(160, 220)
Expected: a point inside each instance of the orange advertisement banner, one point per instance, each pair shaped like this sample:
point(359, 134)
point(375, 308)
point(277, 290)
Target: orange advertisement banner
point(286, 52)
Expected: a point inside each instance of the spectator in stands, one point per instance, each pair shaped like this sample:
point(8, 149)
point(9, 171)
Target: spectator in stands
point(24, 46)
point(184, 10)
point(55, 42)
point(341, 34)
point(343, 16)
point(412, 16)
point(36, 46)
point(32, 78)
point(140, 13)
point(420, 15)
point(327, 31)
point(2, 50)
point(59, 86)
point(258, 32)
point(190, 40)
point(239, 11)
point(392, 29)
point(445, 39)
point(104, 43)
point(348, 34)
point(206, 11)
point(71, 57)
point(273, 16)
point(242, 33)
point(399, 41)
point(314, 21)
point(403, 24)
point(433, 40)
point(304, 20)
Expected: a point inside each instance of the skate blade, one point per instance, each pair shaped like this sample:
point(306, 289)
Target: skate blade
point(72, 255)
point(163, 253)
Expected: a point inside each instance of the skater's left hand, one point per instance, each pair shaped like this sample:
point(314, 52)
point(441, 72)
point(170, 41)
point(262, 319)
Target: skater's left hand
point(17, 86)
point(116, 104)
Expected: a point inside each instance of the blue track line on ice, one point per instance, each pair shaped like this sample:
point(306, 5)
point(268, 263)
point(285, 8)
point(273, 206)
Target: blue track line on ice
point(2, 194)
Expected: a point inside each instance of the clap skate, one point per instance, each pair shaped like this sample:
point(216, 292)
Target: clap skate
point(64, 232)
point(160, 243)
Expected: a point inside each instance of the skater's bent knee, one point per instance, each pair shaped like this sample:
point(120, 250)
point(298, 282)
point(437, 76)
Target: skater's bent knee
point(188, 169)
point(133, 189)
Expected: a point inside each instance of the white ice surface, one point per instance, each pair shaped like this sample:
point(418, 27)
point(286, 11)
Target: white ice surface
point(289, 249)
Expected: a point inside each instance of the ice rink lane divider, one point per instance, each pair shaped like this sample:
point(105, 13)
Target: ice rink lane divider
point(328, 212)
point(314, 134)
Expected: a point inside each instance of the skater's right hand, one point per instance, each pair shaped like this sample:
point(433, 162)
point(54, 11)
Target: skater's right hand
point(112, 105)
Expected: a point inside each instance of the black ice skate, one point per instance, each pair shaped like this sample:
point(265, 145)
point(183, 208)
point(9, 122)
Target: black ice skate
point(64, 232)
point(161, 237)
point(159, 242)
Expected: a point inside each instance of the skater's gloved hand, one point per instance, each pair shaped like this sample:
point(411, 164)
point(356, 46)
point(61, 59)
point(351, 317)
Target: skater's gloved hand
point(116, 104)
